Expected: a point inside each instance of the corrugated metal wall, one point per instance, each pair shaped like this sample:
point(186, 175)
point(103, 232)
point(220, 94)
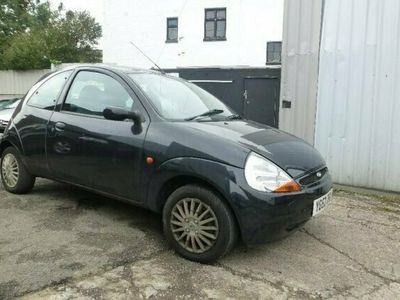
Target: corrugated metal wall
point(17, 83)
point(300, 50)
point(358, 110)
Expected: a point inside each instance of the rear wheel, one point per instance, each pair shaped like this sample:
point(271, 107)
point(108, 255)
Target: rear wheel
point(198, 224)
point(14, 176)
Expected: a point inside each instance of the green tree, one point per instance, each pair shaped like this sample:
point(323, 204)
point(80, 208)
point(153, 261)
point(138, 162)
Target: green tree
point(74, 37)
point(26, 51)
point(32, 35)
point(14, 17)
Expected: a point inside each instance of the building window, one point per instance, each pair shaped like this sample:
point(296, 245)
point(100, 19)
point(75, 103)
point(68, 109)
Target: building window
point(215, 24)
point(274, 50)
point(172, 30)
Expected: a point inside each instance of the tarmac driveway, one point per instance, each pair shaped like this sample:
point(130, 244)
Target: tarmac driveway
point(60, 242)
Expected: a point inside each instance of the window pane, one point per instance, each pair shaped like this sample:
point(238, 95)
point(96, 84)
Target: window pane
point(220, 29)
point(92, 92)
point(210, 14)
point(274, 52)
point(173, 22)
point(46, 95)
point(274, 56)
point(172, 33)
point(221, 14)
point(210, 29)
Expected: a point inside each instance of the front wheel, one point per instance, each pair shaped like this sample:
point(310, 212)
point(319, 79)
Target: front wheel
point(14, 176)
point(198, 224)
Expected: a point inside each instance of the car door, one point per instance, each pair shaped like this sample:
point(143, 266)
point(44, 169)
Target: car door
point(86, 149)
point(31, 122)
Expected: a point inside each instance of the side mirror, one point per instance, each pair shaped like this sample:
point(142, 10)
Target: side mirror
point(119, 114)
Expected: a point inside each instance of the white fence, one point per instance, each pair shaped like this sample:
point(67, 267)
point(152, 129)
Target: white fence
point(17, 83)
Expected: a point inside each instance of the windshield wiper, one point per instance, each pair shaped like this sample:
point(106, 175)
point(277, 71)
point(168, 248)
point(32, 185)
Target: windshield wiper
point(233, 117)
point(206, 114)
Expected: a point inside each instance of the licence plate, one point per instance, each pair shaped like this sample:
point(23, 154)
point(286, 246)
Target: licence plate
point(321, 203)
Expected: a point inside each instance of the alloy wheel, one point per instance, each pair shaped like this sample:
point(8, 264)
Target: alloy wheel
point(10, 170)
point(194, 225)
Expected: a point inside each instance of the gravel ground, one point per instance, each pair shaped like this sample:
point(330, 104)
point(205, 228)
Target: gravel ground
point(60, 242)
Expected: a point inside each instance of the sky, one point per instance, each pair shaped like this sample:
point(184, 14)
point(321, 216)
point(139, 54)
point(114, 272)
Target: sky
point(95, 8)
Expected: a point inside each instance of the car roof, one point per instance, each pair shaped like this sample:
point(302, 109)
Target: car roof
point(122, 69)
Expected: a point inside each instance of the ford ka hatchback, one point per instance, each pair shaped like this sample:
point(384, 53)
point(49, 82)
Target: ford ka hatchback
point(165, 144)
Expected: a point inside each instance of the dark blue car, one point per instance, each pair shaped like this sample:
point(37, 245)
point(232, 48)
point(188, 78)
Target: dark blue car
point(165, 144)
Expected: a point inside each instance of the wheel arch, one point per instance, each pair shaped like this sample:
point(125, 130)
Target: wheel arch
point(11, 138)
point(178, 181)
point(167, 181)
point(5, 144)
point(182, 180)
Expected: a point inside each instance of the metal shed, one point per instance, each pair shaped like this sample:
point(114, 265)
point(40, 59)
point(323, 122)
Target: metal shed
point(357, 121)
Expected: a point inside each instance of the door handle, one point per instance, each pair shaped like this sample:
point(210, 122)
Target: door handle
point(59, 126)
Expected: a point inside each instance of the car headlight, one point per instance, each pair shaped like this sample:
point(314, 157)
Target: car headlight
point(265, 176)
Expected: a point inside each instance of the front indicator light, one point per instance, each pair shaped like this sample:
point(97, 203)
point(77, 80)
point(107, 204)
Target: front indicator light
point(289, 187)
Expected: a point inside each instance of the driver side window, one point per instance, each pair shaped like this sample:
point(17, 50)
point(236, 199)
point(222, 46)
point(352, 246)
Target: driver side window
point(92, 92)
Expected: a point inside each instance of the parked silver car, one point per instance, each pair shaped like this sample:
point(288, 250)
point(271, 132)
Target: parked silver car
point(6, 114)
point(7, 102)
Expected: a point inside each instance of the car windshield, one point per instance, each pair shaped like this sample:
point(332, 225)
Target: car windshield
point(12, 105)
point(176, 99)
point(7, 102)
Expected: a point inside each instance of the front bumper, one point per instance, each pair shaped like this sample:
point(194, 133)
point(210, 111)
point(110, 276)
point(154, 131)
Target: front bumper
point(267, 217)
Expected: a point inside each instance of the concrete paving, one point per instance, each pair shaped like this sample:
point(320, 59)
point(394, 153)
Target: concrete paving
point(60, 242)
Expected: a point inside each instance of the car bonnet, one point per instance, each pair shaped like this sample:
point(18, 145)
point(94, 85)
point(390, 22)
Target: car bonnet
point(292, 154)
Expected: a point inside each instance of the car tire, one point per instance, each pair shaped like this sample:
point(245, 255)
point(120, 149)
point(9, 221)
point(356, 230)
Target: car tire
point(184, 226)
point(21, 181)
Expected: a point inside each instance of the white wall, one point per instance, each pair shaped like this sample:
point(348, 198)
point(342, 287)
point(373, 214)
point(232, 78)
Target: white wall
point(358, 109)
point(250, 24)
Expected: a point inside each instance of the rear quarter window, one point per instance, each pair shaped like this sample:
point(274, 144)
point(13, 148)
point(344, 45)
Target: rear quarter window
point(46, 95)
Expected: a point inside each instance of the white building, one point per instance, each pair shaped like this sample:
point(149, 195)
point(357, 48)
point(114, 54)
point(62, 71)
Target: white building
point(221, 45)
point(235, 33)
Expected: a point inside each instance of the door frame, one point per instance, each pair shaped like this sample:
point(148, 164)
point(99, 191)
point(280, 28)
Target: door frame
point(131, 90)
